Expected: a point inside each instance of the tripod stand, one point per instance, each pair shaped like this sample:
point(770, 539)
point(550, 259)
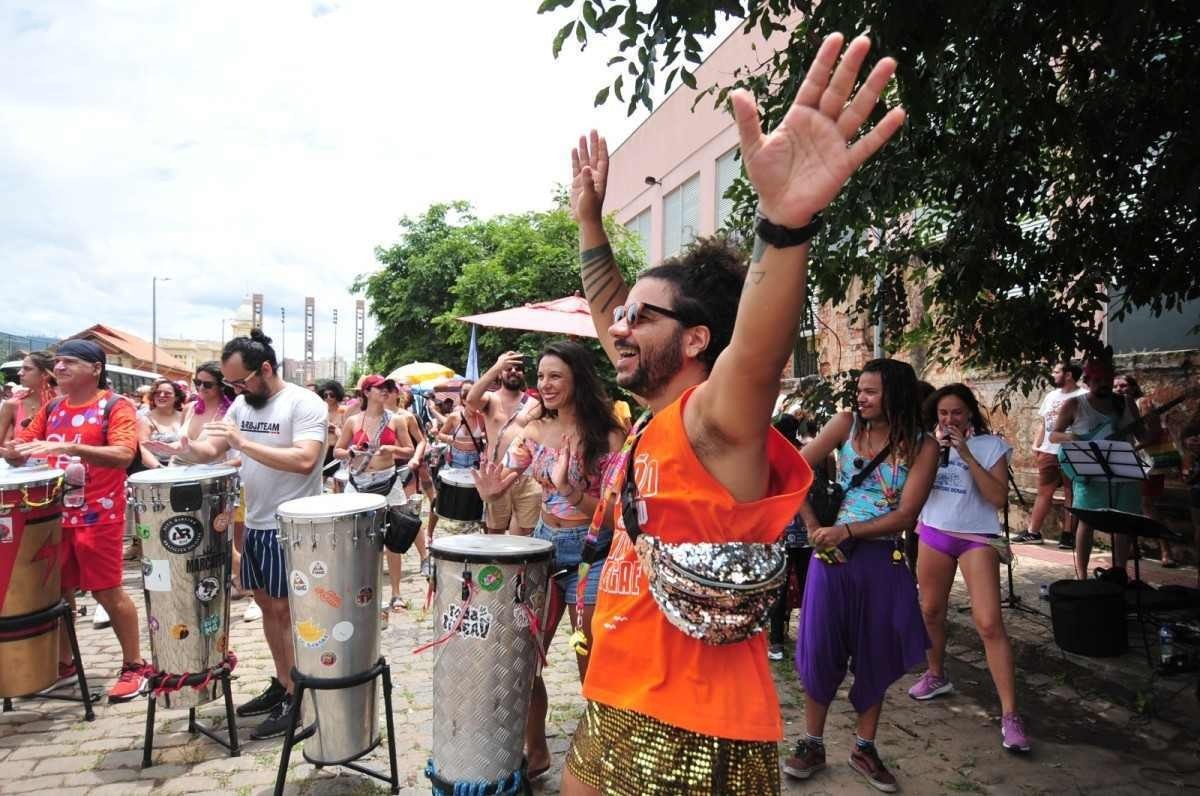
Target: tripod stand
point(1013, 600)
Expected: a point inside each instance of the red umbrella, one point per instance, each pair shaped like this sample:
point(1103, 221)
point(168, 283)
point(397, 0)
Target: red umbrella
point(569, 315)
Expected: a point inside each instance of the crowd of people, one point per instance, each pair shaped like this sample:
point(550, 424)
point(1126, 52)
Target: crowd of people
point(683, 542)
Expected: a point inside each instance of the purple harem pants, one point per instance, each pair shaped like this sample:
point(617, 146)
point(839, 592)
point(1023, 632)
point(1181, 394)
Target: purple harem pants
point(862, 615)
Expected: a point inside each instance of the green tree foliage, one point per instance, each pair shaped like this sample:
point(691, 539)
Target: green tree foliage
point(1049, 166)
point(449, 263)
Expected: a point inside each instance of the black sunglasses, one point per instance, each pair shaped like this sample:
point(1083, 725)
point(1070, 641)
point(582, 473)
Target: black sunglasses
point(201, 384)
point(631, 313)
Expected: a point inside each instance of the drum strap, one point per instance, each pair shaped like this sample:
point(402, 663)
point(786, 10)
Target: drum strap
point(507, 423)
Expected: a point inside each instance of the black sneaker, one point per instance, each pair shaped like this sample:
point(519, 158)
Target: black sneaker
point(277, 724)
point(264, 702)
point(1066, 541)
point(1029, 537)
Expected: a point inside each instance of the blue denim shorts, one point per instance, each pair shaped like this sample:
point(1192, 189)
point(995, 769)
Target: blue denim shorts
point(568, 550)
point(463, 458)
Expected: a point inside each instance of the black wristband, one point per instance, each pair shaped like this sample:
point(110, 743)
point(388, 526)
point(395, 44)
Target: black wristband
point(782, 237)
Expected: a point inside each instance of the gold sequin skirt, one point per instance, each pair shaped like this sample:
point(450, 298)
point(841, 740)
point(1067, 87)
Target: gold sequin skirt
point(623, 753)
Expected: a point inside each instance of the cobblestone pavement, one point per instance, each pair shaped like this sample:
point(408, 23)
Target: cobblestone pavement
point(1109, 725)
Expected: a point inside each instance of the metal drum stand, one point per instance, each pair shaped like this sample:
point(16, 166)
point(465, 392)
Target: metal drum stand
point(17, 627)
point(304, 682)
point(161, 681)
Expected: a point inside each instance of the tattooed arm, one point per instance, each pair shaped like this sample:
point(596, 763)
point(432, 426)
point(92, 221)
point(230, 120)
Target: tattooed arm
point(603, 284)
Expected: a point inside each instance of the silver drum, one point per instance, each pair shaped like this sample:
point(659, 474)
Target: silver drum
point(483, 674)
point(184, 517)
point(331, 546)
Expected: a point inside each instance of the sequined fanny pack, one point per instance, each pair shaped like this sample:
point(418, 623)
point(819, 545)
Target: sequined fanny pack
point(717, 592)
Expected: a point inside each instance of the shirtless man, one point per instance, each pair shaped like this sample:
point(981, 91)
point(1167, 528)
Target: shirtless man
point(503, 412)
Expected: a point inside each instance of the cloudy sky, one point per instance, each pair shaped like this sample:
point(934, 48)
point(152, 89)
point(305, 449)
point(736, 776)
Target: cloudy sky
point(240, 147)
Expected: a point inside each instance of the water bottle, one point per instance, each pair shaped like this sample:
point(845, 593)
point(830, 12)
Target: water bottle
point(75, 480)
point(1166, 645)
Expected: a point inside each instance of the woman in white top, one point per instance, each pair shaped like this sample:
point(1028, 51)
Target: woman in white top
point(958, 527)
point(164, 423)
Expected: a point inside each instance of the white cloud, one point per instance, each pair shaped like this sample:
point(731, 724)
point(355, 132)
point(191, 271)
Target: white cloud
point(264, 146)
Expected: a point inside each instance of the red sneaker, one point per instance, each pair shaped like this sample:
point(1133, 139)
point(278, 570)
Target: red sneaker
point(130, 683)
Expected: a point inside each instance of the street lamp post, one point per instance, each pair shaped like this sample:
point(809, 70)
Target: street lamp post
point(283, 342)
point(154, 280)
point(335, 367)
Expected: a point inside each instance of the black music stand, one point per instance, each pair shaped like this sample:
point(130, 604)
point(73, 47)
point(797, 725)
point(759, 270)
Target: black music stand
point(1116, 462)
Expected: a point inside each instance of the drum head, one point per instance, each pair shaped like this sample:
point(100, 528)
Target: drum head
point(485, 548)
point(178, 475)
point(319, 506)
point(16, 477)
point(457, 476)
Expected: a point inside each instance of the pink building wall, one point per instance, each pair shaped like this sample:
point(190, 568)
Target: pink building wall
point(675, 142)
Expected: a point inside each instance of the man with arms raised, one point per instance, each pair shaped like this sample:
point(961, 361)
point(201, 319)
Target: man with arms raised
point(667, 712)
point(279, 430)
point(100, 428)
point(502, 416)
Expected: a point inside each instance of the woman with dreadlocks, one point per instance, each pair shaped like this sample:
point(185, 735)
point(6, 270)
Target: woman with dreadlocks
point(860, 605)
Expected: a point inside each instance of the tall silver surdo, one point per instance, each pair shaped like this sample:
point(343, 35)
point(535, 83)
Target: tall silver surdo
point(184, 517)
point(331, 546)
point(490, 598)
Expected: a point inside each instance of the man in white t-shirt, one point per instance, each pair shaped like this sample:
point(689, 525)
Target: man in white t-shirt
point(279, 431)
point(1050, 475)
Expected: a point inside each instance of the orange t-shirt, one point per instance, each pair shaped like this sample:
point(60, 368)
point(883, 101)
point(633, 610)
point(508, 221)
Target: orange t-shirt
point(104, 487)
point(639, 660)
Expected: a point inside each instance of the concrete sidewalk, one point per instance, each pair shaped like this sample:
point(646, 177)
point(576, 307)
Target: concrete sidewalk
point(1108, 725)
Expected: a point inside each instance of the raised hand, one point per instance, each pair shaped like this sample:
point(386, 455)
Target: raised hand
point(491, 481)
point(800, 167)
point(589, 178)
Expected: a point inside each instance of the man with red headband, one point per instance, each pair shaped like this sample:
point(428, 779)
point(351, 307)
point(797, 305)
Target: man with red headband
point(1099, 414)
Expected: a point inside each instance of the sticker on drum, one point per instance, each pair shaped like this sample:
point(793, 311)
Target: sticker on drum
point(221, 522)
point(329, 597)
point(156, 573)
point(222, 643)
point(490, 578)
point(476, 624)
point(143, 531)
point(299, 583)
point(6, 530)
point(343, 631)
point(310, 633)
point(179, 632)
point(209, 625)
point(207, 589)
point(181, 533)
point(152, 621)
point(328, 658)
point(318, 569)
point(364, 596)
point(520, 617)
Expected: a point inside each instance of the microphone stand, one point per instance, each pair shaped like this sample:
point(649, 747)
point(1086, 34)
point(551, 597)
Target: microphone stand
point(1013, 600)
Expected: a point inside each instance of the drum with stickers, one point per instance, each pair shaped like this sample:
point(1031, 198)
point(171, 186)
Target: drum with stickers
point(331, 549)
point(489, 607)
point(30, 535)
point(458, 499)
point(184, 517)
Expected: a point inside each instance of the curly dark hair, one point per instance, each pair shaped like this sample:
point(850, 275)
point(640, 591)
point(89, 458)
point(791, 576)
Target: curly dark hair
point(327, 386)
point(255, 350)
point(707, 279)
point(179, 396)
point(593, 407)
point(900, 405)
point(964, 393)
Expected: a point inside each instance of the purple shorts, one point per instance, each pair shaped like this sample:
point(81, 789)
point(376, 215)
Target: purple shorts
point(953, 546)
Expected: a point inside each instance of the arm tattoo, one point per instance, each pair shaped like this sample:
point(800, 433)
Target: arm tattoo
point(757, 276)
point(594, 284)
point(600, 252)
point(607, 303)
point(760, 249)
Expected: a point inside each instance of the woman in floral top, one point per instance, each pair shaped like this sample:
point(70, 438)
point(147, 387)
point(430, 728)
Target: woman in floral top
point(566, 451)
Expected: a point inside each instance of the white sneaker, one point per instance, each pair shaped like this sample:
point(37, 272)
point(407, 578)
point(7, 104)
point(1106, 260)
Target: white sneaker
point(253, 612)
point(100, 617)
